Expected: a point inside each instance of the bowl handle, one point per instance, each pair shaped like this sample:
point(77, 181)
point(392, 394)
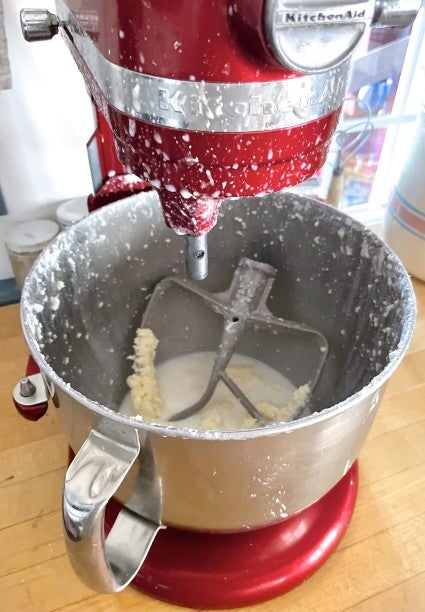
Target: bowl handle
point(106, 565)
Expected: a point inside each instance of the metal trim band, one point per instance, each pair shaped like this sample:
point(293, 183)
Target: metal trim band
point(206, 106)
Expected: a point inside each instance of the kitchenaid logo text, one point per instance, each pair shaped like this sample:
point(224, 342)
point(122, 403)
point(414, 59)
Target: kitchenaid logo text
point(284, 18)
point(215, 107)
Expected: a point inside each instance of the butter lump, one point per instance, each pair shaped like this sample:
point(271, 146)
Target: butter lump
point(276, 414)
point(145, 396)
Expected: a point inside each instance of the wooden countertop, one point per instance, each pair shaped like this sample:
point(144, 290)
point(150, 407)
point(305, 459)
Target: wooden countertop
point(379, 565)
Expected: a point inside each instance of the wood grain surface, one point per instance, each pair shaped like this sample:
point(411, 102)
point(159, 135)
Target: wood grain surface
point(379, 565)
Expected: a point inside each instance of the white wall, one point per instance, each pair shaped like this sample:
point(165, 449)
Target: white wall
point(45, 122)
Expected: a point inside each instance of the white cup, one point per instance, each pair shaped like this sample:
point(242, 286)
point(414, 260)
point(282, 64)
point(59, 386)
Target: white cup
point(71, 211)
point(24, 243)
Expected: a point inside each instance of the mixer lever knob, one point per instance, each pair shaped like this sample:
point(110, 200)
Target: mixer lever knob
point(38, 24)
point(395, 13)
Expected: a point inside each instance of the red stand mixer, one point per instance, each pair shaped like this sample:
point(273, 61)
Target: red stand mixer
point(206, 101)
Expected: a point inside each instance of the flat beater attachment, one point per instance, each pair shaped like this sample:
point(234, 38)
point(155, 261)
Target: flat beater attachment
point(187, 319)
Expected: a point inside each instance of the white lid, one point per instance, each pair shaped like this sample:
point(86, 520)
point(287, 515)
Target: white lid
point(71, 211)
point(31, 236)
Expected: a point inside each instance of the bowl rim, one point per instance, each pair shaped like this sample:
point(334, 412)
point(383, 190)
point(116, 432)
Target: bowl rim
point(408, 303)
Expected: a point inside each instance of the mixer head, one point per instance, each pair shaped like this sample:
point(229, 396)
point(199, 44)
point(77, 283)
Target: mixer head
point(209, 100)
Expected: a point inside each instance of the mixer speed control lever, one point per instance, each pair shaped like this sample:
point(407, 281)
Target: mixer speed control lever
point(38, 24)
point(395, 13)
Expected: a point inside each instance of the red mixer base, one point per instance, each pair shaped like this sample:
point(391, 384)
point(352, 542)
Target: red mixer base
point(200, 570)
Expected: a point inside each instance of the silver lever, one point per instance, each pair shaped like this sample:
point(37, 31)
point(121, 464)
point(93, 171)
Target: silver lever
point(38, 24)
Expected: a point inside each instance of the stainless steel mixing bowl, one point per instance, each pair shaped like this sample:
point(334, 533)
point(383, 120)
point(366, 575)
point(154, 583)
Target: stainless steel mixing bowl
point(81, 305)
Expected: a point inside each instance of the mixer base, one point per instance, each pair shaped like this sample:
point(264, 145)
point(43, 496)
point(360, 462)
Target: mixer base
point(201, 570)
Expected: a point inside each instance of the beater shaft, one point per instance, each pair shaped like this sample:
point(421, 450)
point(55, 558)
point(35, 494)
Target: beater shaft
point(196, 257)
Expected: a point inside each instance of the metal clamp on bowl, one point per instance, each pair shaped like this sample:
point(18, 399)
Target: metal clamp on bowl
point(31, 396)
